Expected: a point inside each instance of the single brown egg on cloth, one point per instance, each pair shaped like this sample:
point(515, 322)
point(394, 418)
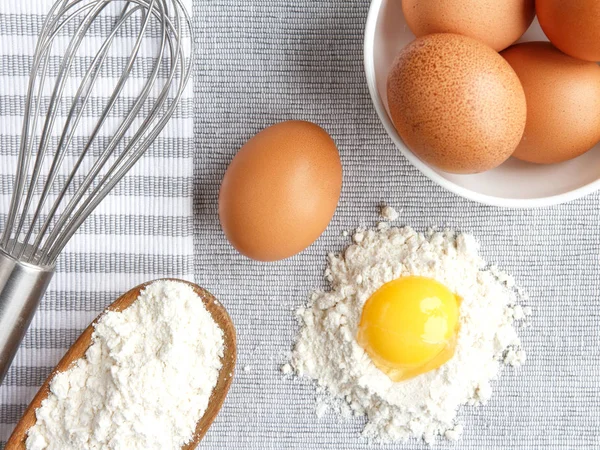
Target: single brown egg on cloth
point(280, 191)
point(456, 103)
point(563, 102)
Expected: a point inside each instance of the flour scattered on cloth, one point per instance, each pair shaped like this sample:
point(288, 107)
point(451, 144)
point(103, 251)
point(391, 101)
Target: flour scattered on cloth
point(144, 382)
point(424, 406)
point(389, 213)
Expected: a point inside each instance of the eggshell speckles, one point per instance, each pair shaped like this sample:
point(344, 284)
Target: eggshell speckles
point(280, 190)
point(498, 23)
point(572, 25)
point(563, 102)
point(456, 103)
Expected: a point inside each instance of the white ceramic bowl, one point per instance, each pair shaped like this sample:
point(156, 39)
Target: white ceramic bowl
point(515, 183)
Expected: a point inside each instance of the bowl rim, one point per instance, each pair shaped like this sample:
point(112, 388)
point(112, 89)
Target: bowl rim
point(369, 66)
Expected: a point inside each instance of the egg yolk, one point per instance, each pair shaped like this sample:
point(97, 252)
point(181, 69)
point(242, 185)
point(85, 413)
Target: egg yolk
point(409, 326)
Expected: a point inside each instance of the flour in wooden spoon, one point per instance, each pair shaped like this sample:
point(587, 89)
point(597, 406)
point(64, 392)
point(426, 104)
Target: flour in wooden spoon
point(145, 381)
point(425, 406)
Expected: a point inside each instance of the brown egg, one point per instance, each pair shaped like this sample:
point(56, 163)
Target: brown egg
point(572, 25)
point(456, 103)
point(563, 102)
point(280, 190)
point(498, 23)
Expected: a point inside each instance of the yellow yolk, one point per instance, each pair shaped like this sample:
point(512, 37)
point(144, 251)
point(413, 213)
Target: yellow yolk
point(409, 326)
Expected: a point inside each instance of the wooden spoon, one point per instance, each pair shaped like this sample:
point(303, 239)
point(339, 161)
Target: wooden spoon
point(78, 349)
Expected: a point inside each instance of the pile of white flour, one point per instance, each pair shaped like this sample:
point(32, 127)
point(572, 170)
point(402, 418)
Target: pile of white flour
point(425, 406)
point(144, 382)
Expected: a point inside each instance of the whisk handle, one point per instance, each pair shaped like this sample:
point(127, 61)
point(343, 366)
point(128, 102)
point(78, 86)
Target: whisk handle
point(21, 288)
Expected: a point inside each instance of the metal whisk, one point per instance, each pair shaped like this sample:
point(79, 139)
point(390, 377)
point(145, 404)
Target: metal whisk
point(61, 179)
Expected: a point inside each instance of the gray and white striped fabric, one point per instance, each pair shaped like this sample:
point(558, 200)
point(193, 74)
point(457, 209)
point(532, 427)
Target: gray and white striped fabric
point(142, 231)
point(264, 61)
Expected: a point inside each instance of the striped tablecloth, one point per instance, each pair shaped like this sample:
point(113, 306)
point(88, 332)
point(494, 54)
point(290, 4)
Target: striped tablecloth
point(142, 231)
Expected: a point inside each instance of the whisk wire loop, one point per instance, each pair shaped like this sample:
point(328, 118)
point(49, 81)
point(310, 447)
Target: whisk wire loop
point(133, 151)
point(48, 126)
point(64, 142)
point(108, 151)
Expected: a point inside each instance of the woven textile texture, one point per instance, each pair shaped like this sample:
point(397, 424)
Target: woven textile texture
point(260, 62)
